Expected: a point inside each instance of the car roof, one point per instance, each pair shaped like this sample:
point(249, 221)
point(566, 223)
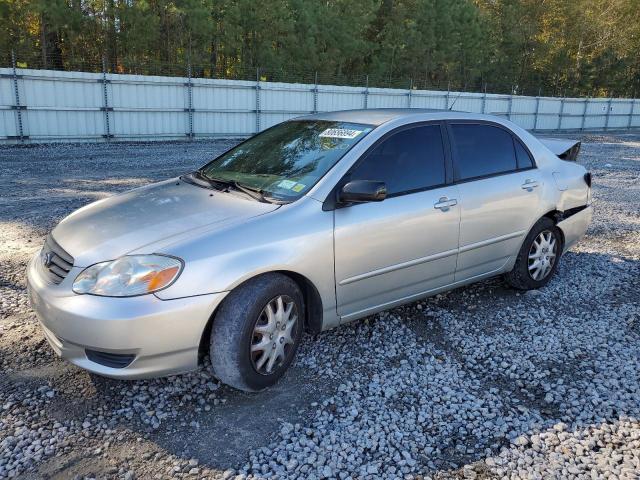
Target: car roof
point(378, 116)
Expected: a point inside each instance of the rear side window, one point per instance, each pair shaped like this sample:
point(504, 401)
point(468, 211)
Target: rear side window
point(411, 159)
point(524, 159)
point(482, 150)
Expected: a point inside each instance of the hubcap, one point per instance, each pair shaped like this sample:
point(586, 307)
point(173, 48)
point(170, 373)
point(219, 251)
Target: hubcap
point(542, 255)
point(273, 334)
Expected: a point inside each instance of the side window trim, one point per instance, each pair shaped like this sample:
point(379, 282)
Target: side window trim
point(454, 154)
point(330, 202)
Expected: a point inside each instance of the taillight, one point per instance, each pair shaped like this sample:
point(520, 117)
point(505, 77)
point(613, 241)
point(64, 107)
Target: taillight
point(587, 179)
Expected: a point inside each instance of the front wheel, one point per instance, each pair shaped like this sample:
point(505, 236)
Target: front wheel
point(538, 258)
point(256, 332)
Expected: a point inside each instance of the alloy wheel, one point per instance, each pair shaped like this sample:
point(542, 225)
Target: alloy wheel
point(274, 334)
point(542, 255)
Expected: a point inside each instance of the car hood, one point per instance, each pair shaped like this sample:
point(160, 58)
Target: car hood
point(118, 225)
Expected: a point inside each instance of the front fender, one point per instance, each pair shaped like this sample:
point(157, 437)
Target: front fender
point(297, 238)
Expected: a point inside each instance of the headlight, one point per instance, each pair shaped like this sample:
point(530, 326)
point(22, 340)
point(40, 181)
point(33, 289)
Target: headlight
point(128, 276)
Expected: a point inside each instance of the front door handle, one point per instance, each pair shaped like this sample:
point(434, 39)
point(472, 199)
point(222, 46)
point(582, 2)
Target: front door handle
point(529, 185)
point(445, 203)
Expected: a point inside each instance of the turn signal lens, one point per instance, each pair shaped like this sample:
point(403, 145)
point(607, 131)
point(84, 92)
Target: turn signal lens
point(162, 278)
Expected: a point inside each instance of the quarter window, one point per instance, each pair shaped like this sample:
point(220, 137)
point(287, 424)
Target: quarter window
point(411, 159)
point(482, 150)
point(524, 159)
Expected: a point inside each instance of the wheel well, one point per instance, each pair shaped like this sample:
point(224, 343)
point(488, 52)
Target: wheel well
point(556, 216)
point(313, 311)
point(312, 300)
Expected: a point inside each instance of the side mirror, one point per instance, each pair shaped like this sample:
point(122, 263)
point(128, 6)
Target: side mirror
point(361, 191)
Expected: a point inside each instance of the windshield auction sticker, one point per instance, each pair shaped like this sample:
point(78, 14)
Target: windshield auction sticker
point(340, 133)
point(287, 184)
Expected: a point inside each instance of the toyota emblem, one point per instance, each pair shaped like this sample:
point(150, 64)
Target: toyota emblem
point(47, 259)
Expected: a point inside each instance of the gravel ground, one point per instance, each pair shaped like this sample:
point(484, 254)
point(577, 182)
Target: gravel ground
point(481, 382)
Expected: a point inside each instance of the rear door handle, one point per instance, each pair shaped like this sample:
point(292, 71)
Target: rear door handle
point(529, 185)
point(445, 203)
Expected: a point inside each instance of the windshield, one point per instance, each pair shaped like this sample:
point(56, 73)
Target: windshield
point(285, 161)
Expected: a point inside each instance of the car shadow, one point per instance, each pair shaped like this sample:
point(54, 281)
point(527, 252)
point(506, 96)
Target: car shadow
point(219, 437)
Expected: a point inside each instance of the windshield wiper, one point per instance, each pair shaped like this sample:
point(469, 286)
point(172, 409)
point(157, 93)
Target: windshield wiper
point(256, 193)
point(253, 192)
point(217, 183)
point(198, 180)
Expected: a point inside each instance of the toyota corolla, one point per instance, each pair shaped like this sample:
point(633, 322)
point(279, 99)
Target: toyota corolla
point(312, 223)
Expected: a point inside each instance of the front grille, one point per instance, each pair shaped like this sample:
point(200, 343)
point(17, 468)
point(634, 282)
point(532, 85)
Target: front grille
point(55, 262)
point(112, 360)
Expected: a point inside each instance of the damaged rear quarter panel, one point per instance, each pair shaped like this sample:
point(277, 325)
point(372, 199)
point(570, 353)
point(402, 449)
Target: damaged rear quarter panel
point(575, 226)
point(573, 190)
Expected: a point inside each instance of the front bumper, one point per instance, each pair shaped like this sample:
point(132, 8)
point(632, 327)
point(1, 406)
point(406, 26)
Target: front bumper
point(162, 336)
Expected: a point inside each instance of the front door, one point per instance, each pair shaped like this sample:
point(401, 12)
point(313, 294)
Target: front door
point(406, 245)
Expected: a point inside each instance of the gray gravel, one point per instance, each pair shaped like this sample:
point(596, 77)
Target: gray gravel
point(481, 382)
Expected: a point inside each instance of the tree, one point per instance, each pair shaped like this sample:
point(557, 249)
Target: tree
point(581, 47)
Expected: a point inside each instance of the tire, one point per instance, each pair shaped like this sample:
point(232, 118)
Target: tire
point(245, 327)
point(525, 274)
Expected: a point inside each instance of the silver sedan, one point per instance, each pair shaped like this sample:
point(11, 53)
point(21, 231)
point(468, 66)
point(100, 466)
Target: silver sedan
point(315, 222)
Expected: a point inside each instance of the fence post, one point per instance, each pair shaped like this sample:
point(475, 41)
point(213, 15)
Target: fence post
point(606, 121)
point(535, 117)
point(584, 113)
point(484, 99)
point(189, 108)
point(258, 100)
point(446, 105)
point(631, 110)
point(510, 104)
point(366, 94)
point(409, 94)
point(560, 114)
point(17, 107)
point(315, 94)
point(107, 128)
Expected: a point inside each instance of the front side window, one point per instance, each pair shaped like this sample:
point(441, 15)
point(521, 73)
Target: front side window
point(412, 159)
point(482, 150)
point(285, 161)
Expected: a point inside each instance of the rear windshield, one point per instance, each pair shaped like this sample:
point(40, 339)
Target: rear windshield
point(285, 161)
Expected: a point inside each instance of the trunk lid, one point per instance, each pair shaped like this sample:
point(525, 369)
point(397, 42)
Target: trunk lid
point(563, 148)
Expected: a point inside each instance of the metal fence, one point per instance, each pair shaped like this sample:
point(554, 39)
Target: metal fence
point(51, 105)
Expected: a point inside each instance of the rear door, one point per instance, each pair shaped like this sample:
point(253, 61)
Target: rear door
point(500, 190)
point(389, 251)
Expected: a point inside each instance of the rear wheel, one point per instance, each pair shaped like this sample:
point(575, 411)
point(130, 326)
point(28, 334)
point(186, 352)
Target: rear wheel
point(256, 332)
point(538, 258)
